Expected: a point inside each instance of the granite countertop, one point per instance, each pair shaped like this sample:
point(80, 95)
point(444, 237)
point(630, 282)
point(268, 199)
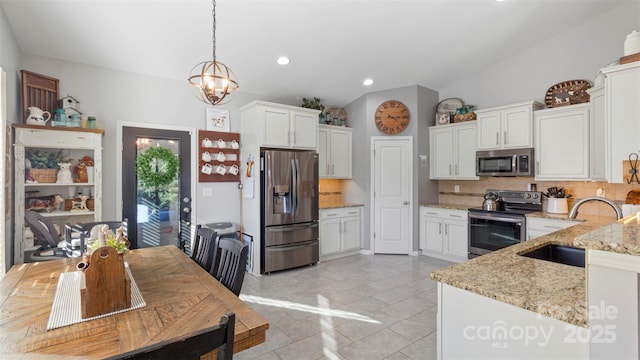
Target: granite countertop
point(621, 237)
point(338, 204)
point(538, 214)
point(448, 206)
point(547, 288)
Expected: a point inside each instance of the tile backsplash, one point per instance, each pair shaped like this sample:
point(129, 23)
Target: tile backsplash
point(471, 192)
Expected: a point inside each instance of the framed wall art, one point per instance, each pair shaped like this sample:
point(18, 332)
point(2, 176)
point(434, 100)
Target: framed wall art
point(217, 119)
point(443, 118)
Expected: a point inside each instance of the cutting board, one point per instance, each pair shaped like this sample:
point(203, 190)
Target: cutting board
point(633, 197)
point(626, 172)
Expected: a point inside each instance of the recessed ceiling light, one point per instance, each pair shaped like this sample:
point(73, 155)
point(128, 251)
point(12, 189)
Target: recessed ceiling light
point(367, 82)
point(283, 60)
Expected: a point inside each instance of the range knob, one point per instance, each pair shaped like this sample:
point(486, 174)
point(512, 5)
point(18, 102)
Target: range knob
point(528, 196)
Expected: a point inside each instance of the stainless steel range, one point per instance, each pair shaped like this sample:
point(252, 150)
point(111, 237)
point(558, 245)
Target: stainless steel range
point(493, 230)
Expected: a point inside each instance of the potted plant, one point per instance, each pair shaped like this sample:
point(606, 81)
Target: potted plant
point(557, 200)
point(117, 241)
point(312, 104)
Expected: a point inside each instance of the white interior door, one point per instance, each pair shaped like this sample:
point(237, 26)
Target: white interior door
point(392, 175)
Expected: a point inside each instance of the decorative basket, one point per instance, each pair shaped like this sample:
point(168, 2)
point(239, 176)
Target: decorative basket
point(464, 117)
point(44, 175)
point(567, 93)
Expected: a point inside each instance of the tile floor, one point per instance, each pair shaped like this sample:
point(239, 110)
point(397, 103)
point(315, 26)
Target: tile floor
point(357, 307)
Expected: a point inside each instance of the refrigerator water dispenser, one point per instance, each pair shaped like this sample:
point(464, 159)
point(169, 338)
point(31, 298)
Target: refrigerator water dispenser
point(281, 199)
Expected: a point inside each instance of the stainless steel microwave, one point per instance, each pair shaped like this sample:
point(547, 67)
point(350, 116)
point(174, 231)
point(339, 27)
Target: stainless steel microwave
point(512, 162)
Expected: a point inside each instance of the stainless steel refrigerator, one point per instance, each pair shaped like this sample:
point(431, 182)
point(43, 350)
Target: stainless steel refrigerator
point(289, 209)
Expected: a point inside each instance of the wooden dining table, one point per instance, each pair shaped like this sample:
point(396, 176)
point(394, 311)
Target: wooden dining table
point(181, 298)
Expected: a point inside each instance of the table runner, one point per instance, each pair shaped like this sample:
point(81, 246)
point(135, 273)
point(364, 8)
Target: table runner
point(67, 308)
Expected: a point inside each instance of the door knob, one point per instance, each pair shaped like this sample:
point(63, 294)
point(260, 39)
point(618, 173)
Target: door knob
point(405, 203)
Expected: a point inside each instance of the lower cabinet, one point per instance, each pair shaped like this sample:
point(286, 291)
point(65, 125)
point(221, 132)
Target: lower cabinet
point(472, 326)
point(340, 232)
point(542, 226)
point(444, 233)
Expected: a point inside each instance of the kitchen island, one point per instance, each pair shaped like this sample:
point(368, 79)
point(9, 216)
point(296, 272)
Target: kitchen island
point(503, 305)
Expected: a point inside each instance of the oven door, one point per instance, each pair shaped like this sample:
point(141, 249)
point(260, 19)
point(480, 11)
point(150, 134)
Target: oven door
point(491, 231)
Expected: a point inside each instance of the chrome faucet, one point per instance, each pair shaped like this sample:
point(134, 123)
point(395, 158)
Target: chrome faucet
point(574, 210)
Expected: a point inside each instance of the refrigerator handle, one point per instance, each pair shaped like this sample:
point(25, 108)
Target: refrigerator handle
point(294, 186)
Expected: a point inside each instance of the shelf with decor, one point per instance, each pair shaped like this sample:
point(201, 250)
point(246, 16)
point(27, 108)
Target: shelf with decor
point(40, 187)
point(218, 156)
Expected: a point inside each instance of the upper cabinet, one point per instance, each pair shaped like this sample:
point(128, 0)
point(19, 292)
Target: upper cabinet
point(506, 127)
point(597, 135)
point(281, 126)
point(452, 151)
point(334, 150)
point(562, 143)
point(622, 114)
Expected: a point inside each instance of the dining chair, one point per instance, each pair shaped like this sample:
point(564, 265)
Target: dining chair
point(204, 247)
point(194, 345)
point(232, 263)
point(53, 247)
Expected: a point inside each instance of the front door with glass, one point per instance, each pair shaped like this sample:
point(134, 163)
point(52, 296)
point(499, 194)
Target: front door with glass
point(156, 191)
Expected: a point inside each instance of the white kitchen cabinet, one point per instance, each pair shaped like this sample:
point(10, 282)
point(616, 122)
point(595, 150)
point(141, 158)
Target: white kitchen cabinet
point(613, 297)
point(562, 143)
point(506, 127)
point(452, 151)
point(75, 143)
point(281, 126)
point(340, 232)
point(537, 226)
point(472, 326)
point(622, 111)
point(597, 134)
point(334, 152)
point(443, 233)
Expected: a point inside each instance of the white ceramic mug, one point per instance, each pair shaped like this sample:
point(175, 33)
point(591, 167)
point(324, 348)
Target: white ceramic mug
point(207, 169)
point(220, 157)
point(233, 169)
point(207, 143)
point(221, 169)
point(222, 144)
point(206, 156)
point(235, 145)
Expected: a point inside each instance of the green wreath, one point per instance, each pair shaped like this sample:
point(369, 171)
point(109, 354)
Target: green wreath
point(168, 164)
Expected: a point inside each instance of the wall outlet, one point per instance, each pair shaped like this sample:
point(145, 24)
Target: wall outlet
point(456, 188)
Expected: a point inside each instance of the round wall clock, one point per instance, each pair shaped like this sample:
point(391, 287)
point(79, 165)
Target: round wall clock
point(392, 117)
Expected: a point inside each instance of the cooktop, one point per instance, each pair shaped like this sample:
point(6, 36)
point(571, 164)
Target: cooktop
point(515, 202)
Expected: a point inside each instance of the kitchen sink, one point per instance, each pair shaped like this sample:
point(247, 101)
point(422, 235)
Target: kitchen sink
point(559, 254)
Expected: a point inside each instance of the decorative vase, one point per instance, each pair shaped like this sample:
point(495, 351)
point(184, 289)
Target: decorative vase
point(557, 206)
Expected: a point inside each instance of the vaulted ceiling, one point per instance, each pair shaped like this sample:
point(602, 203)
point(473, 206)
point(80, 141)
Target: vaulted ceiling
point(333, 45)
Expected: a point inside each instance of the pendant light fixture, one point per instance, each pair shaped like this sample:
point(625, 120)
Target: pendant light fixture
point(214, 80)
